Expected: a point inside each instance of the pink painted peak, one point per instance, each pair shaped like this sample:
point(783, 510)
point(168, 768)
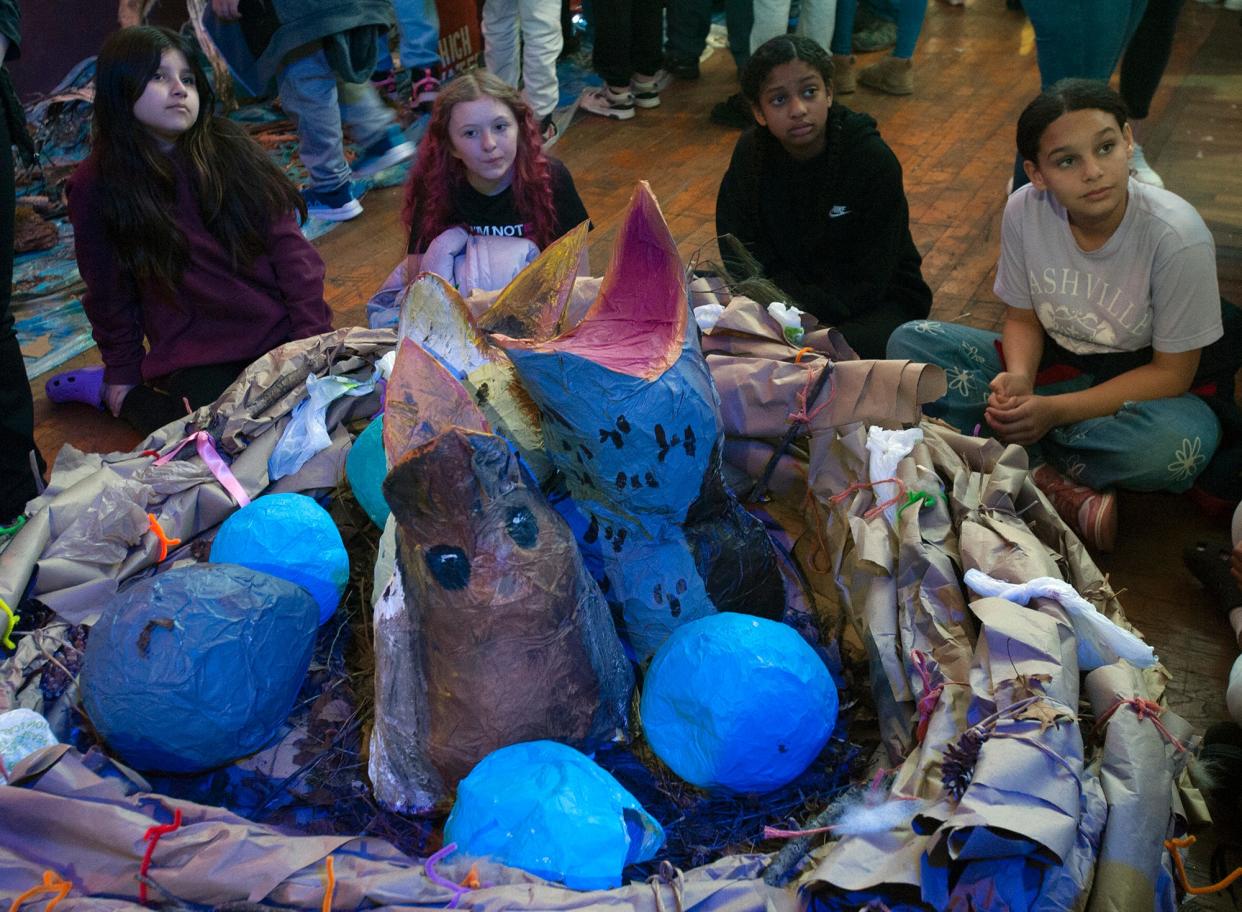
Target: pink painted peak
point(637, 324)
point(423, 400)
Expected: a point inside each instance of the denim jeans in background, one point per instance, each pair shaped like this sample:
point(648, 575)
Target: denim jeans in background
point(908, 14)
point(325, 107)
point(1157, 445)
point(1079, 39)
point(418, 29)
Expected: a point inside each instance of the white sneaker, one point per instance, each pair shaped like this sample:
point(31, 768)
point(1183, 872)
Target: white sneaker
point(647, 91)
point(1142, 171)
point(607, 103)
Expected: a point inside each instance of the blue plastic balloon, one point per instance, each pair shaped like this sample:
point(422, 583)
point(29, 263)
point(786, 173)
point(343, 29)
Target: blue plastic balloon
point(366, 467)
point(292, 537)
point(194, 668)
point(737, 702)
point(547, 809)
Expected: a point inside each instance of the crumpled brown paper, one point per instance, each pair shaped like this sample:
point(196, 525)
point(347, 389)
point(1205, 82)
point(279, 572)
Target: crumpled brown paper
point(90, 829)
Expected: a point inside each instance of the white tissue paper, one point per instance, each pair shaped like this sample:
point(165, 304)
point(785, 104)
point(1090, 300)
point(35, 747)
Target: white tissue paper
point(1100, 641)
point(887, 448)
point(790, 319)
point(706, 315)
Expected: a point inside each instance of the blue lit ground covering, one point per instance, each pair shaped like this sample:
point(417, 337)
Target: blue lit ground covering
point(47, 290)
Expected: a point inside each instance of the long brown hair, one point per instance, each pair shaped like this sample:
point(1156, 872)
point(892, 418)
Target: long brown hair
point(239, 190)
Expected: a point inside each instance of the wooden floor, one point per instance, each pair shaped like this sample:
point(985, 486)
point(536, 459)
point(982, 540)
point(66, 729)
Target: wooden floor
point(974, 70)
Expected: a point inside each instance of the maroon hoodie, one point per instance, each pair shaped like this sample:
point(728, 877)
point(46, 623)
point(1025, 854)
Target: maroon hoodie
point(217, 313)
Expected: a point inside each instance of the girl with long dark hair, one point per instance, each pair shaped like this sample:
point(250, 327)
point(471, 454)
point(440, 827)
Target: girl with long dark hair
point(186, 237)
point(816, 197)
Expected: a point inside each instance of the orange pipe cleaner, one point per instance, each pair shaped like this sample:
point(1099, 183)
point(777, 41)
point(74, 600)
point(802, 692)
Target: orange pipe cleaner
point(165, 541)
point(1173, 845)
point(52, 883)
point(329, 885)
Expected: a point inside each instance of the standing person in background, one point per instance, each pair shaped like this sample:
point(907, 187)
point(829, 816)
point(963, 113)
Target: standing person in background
point(690, 21)
point(1142, 67)
point(322, 52)
point(1078, 39)
point(521, 41)
point(816, 20)
point(418, 24)
point(17, 446)
point(895, 73)
point(627, 57)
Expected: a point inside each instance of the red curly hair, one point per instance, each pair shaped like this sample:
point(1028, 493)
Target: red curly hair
point(428, 209)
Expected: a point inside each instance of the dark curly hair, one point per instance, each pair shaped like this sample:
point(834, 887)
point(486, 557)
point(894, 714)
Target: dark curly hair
point(1062, 98)
point(782, 49)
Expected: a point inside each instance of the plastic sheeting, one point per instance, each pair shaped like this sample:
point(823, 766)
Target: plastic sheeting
point(197, 666)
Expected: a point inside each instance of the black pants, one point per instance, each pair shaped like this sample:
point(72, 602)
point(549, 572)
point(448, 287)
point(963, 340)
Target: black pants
point(627, 38)
point(1147, 55)
point(17, 480)
point(148, 408)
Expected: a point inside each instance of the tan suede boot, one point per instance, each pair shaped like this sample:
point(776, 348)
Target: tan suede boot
point(892, 75)
point(843, 80)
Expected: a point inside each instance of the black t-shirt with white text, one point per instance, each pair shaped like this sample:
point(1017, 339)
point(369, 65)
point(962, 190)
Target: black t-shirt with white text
point(498, 216)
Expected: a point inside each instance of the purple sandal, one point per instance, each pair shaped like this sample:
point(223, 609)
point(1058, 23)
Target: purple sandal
point(84, 385)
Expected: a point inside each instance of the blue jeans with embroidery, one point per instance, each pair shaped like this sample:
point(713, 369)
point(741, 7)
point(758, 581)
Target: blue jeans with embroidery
point(1157, 445)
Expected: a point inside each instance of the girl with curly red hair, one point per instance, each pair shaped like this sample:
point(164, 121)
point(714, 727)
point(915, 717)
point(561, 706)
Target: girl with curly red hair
point(481, 167)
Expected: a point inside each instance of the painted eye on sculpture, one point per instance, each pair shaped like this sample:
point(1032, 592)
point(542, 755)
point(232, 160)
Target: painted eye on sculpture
point(449, 566)
point(522, 527)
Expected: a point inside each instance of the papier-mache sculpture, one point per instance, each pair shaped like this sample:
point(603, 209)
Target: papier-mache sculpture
point(533, 306)
point(631, 418)
point(491, 631)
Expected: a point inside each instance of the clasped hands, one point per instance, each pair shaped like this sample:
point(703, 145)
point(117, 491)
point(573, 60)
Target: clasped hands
point(1016, 413)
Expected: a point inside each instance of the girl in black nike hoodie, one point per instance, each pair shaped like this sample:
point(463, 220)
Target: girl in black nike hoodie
point(816, 196)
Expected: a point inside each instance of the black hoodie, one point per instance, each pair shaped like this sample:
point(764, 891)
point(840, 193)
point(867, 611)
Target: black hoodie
point(832, 232)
